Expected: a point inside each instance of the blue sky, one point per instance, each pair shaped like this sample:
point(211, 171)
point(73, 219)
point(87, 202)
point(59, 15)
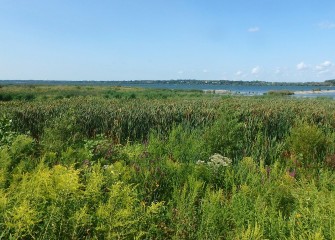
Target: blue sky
point(268, 40)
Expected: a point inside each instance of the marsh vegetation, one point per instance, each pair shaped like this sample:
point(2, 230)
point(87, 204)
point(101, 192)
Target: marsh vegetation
point(121, 163)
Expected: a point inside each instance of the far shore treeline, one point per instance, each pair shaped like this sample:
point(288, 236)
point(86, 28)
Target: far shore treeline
point(172, 81)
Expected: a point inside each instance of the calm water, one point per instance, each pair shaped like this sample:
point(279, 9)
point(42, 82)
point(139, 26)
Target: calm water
point(243, 90)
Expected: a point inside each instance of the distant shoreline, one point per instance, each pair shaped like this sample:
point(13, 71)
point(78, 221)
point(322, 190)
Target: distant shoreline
point(327, 83)
point(300, 92)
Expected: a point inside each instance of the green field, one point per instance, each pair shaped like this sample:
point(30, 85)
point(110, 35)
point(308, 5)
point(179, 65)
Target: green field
point(99, 162)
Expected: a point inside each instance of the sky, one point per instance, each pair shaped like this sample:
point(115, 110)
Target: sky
point(266, 40)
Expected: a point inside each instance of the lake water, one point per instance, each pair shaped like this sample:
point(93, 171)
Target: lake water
point(237, 89)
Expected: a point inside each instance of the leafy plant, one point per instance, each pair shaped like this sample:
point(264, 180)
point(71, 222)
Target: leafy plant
point(308, 144)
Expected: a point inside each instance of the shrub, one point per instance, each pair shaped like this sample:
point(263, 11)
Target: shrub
point(7, 135)
point(184, 145)
point(279, 93)
point(214, 222)
point(21, 150)
point(185, 214)
point(119, 216)
point(308, 144)
point(226, 137)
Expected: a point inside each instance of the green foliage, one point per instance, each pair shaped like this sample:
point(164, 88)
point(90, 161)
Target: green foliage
point(73, 156)
point(119, 216)
point(308, 144)
point(252, 232)
point(183, 168)
point(104, 150)
point(6, 97)
point(215, 222)
point(280, 93)
point(22, 147)
point(226, 137)
point(181, 144)
point(185, 204)
point(61, 134)
point(21, 220)
point(5, 163)
point(7, 134)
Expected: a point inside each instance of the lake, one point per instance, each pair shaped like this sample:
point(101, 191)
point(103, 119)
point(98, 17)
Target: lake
point(237, 89)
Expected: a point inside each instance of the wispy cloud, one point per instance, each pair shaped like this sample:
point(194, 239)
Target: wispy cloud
point(255, 70)
point(254, 29)
point(325, 64)
point(324, 67)
point(205, 71)
point(278, 71)
point(239, 73)
point(326, 25)
point(302, 66)
point(180, 72)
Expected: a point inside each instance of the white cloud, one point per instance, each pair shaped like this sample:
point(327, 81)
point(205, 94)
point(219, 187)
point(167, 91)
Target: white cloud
point(326, 25)
point(239, 73)
point(180, 72)
point(324, 71)
point(324, 67)
point(255, 70)
point(205, 71)
point(254, 29)
point(302, 66)
point(326, 64)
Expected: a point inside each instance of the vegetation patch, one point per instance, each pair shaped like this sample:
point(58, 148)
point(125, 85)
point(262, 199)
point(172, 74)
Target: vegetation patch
point(180, 167)
point(279, 93)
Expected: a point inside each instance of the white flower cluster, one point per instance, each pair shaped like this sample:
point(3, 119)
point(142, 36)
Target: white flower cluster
point(216, 161)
